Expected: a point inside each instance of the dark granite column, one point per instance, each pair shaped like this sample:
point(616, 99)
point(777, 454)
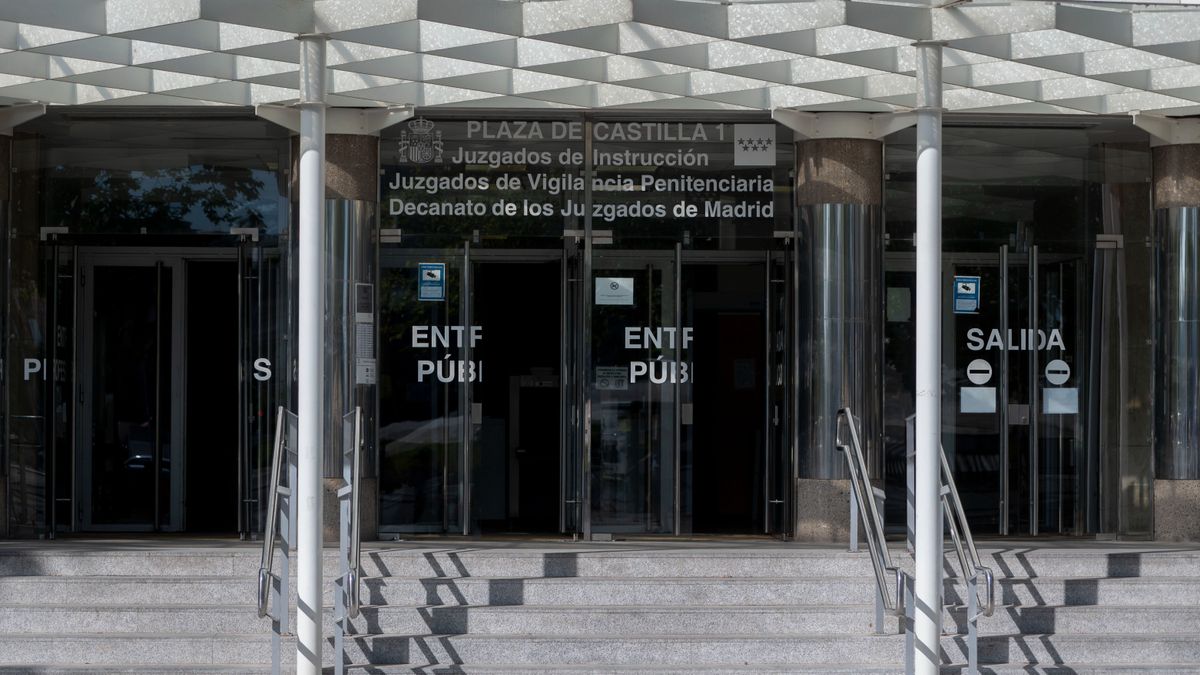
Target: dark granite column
point(1176, 193)
point(839, 192)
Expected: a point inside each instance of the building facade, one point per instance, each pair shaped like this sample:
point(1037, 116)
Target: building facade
point(600, 268)
point(598, 322)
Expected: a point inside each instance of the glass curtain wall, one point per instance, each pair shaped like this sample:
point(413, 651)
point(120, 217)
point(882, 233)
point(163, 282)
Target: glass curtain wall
point(549, 285)
point(1046, 324)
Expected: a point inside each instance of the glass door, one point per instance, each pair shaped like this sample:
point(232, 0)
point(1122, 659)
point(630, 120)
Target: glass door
point(425, 421)
point(687, 392)
point(259, 363)
point(131, 398)
point(727, 458)
point(57, 372)
point(471, 388)
point(640, 376)
point(1014, 344)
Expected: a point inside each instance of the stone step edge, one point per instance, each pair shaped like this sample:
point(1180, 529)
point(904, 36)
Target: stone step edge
point(252, 608)
point(1170, 637)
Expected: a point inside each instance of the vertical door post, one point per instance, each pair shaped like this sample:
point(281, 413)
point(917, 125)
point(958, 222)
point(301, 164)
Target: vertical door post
point(467, 401)
point(585, 354)
point(1005, 483)
point(677, 442)
point(1035, 404)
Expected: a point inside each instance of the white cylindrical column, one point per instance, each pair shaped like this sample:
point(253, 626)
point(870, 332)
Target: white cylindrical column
point(928, 587)
point(311, 350)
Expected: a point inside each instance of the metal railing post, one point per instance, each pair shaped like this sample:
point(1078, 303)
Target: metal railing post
point(879, 614)
point(853, 518)
point(867, 501)
point(972, 627)
point(273, 591)
point(907, 622)
point(349, 547)
point(910, 482)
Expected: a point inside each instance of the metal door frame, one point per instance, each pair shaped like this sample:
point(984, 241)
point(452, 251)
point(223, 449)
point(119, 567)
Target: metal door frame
point(174, 259)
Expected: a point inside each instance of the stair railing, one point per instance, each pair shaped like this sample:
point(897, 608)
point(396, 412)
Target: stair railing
point(862, 499)
point(974, 572)
point(971, 566)
point(280, 532)
point(348, 599)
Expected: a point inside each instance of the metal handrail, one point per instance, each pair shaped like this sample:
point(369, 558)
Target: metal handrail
point(348, 603)
point(266, 562)
point(881, 561)
point(960, 533)
point(353, 574)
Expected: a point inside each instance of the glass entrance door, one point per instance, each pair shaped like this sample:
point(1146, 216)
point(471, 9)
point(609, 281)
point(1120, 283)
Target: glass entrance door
point(471, 402)
point(425, 428)
point(730, 466)
point(161, 349)
point(641, 375)
point(683, 409)
point(522, 392)
point(131, 394)
point(1014, 342)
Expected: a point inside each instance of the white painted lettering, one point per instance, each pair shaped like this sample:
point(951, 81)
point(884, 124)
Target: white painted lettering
point(262, 369)
point(33, 366)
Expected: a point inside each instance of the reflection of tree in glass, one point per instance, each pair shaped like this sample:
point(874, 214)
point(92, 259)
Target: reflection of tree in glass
point(201, 198)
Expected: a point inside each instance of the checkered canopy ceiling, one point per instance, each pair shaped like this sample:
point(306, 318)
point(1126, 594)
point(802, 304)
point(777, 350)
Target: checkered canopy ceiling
point(1069, 57)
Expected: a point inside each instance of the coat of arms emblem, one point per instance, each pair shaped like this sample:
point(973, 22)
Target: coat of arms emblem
point(421, 144)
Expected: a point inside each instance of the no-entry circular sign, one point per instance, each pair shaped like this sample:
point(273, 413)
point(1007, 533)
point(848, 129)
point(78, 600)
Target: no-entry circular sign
point(979, 371)
point(1057, 372)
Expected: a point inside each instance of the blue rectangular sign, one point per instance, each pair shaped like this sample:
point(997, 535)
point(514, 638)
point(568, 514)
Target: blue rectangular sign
point(966, 295)
point(431, 282)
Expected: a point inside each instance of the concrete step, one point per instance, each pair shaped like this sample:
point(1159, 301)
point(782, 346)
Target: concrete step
point(1162, 652)
point(449, 591)
point(864, 669)
point(524, 620)
point(109, 669)
point(622, 620)
point(146, 649)
point(1092, 563)
point(1080, 619)
point(618, 591)
point(456, 562)
point(602, 669)
point(131, 562)
point(642, 563)
point(1100, 649)
point(642, 650)
point(430, 650)
point(131, 559)
point(559, 669)
point(721, 650)
point(1118, 592)
point(238, 619)
point(122, 591)
point(1077, 669)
